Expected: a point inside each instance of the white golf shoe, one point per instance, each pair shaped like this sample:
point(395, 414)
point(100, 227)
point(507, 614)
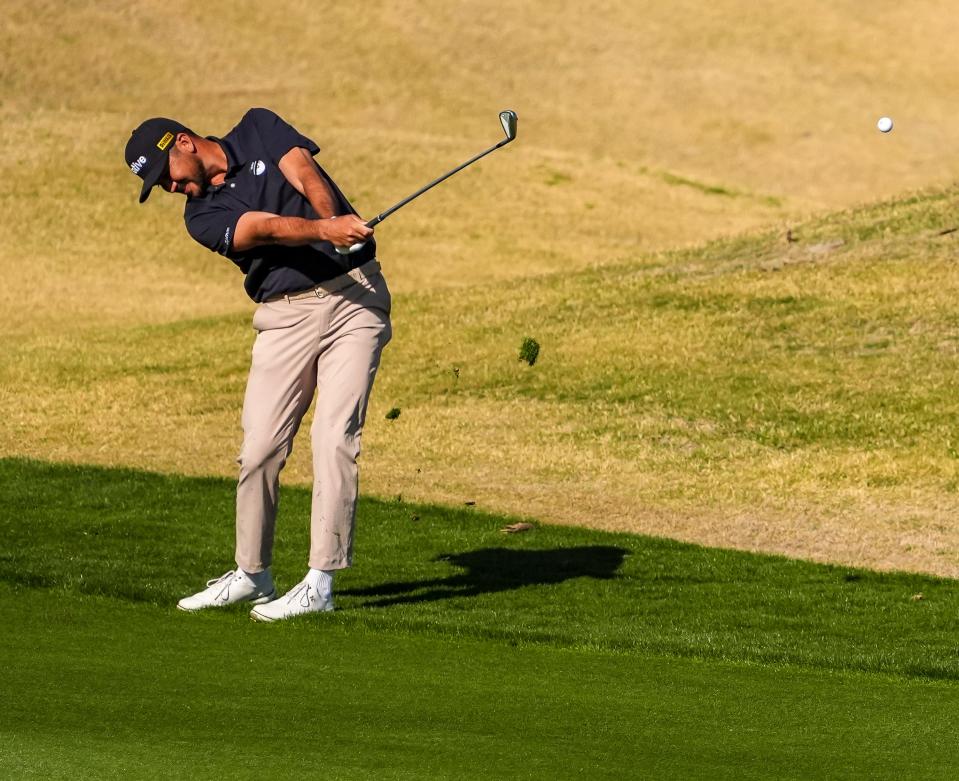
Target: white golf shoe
point(230, 588)
point(301, 599)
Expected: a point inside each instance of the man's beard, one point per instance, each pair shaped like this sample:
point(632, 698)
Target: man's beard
point(201, 178)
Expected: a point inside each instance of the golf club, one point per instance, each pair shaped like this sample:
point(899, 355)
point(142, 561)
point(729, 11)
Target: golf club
point(507, 119)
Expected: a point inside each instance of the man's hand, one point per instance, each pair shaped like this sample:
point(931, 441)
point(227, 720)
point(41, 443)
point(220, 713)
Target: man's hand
point(255, 229)
point(347, 230)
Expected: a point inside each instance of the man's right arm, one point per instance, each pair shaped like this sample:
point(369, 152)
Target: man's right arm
point(255, 229)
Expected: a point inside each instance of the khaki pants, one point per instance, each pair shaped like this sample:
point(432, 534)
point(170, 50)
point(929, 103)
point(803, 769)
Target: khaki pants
point(328, 344)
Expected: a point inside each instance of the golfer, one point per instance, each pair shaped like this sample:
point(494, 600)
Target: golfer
point(257, 196)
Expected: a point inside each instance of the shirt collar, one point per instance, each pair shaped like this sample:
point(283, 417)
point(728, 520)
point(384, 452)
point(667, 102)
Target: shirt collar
point(233, 164)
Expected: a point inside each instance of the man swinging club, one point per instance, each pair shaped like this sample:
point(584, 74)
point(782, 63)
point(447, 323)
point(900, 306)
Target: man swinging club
point(257, 196)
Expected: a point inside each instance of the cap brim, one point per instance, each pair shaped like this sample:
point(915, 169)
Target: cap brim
point(152, 177)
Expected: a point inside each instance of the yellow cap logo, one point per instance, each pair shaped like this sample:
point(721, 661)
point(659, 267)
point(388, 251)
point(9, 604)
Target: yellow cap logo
point(164, 142)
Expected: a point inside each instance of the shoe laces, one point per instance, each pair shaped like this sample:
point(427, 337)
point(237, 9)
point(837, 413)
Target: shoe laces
point(303, 592)
point(226, 579)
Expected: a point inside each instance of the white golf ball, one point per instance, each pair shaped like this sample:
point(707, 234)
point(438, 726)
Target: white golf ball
point(884, 124)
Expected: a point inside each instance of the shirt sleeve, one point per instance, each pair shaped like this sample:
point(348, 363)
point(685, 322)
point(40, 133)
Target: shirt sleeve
point(278, 137)
point(214, 228)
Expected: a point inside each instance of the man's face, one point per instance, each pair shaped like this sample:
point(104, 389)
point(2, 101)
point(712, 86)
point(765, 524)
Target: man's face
point(185, 172)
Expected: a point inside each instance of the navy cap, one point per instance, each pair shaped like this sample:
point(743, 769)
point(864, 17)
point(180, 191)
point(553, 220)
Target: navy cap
point(148, 150)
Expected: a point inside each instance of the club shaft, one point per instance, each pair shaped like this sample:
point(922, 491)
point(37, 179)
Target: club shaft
point(383, 215)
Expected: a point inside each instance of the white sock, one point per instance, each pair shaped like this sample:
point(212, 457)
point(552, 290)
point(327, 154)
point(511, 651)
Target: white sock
point(321, 580)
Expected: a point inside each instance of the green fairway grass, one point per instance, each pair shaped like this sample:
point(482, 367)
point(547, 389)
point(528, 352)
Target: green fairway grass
point(98, 687)
point(455, 650)
point(151, 539)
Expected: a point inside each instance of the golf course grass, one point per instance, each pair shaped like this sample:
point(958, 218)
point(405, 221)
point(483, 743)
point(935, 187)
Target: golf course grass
point(789, 395)
point(736, 448)
point(736, 351)
point(455, 652)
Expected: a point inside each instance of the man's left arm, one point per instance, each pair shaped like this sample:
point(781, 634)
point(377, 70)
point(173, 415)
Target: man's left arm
point(301, 172)
point(293, 153)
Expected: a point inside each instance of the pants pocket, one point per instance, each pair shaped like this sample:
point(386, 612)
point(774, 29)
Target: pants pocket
point(379, 292)
point(280, 314)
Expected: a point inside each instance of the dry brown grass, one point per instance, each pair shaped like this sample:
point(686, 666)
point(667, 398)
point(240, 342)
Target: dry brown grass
point(629, 114)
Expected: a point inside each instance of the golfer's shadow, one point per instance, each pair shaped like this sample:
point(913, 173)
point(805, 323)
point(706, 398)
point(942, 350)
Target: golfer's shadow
point(490, 570)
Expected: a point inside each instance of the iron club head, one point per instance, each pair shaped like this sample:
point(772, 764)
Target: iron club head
point(508, 120)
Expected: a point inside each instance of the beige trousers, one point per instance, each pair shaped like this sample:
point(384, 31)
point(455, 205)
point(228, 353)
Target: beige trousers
point(327, 344)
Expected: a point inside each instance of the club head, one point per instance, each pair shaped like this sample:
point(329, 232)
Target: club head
point(508, 120)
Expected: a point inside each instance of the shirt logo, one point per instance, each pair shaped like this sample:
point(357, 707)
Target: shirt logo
point(164, 142)
point(257, 167)
point(138, 164)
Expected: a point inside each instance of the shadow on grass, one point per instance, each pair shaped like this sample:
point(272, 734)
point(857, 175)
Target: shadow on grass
point(491, 570)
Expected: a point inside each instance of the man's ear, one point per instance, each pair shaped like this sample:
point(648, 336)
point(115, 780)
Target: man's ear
point(184, 142)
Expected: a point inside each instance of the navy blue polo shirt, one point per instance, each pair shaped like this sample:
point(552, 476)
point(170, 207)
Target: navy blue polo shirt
point(254, 182)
